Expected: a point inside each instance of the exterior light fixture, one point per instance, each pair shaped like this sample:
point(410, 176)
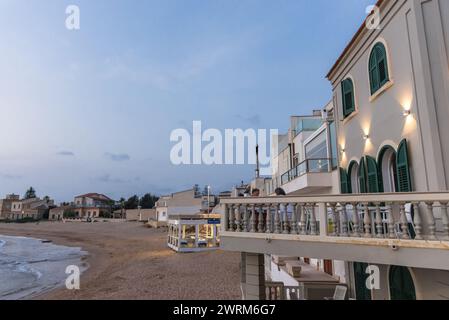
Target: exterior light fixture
point(406, 113)
point(342, 150)
point(365, 136)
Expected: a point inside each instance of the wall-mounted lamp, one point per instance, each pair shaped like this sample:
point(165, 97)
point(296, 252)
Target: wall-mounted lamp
point(406, 113)
point(342, 151)
point(365, 136)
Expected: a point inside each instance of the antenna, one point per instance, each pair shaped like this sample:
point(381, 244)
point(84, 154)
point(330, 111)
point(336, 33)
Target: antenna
point(257, 163)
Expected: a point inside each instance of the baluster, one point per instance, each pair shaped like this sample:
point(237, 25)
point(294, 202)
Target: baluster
point(302, 229)
point(253, 218)
point(237, 218)
point(226, 218)
point(245, 218)
point(277, 222)
point(379, 226)
point(367, 222)
point(355, 221)
point(294, 224)
point(231, 217)
point(403, 221)
point(260, 227)
point(390, 222)
point(268, 228)
point(313, 229)
point(344, 221)
point(431, 222)
point(445, 218)
point(417, 221)
point(334, 220)
point(286, 220)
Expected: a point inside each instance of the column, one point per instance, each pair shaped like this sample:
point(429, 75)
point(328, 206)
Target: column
point(254, 276)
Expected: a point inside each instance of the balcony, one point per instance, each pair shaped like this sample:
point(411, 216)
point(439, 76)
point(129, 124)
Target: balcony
point(372, 228)
point(311, 175)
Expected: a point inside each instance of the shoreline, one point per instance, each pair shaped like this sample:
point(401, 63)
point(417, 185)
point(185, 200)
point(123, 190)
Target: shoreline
point(130, 261)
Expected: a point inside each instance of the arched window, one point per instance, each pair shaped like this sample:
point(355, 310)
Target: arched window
point(347, 88)
point(353, 173)
point(362, 176)
point(372, 180)
point(378, 67)
point(401, 284)
point(387, 170)
point(404, 181)
point(344, 181)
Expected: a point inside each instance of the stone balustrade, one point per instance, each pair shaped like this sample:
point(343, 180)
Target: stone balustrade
point(408, 216)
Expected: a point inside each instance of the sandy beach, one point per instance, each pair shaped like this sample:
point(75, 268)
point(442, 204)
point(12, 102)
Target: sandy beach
point(130, 261)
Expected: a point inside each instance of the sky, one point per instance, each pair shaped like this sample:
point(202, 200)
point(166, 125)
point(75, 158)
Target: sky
point(91, 110)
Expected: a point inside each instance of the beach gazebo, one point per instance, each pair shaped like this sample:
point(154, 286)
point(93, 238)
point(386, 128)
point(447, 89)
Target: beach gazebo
point(194, 233)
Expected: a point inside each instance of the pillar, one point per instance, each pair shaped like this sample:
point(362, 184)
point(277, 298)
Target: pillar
point(253, 276)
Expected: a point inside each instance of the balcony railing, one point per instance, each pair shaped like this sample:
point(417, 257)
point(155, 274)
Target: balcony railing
point(307, 166)
point(407, 216)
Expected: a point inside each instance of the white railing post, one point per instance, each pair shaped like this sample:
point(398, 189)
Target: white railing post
point(367, 222)
point(355, 220)
point(403, 221)
point(445, 218)
point(322, 214)
point(344, 221)
point(313, 223)
point(261, 220)
point(431, 227)
point(379, 226)
point(417, 221)
point(268, 228)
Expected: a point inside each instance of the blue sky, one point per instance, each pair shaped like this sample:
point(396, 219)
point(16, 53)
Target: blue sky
point(92, 110)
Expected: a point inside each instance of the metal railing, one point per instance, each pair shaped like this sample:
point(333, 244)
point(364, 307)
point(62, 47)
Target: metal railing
point(307, 166)
point(408, 216)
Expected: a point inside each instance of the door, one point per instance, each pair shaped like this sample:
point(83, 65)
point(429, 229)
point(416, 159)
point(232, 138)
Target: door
point(401, 284)
point(360, 276)
point(328, 267)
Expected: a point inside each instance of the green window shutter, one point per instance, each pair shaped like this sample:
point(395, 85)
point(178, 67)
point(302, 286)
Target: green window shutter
point(378, 67)
point(374, 82)
point(404, 183)
point(344, 181)
point(362, 176)
point(347, 89)
point(372, 175)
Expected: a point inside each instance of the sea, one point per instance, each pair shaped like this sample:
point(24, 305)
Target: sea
point(31, 266)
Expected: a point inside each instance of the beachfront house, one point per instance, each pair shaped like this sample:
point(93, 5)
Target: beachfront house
point(93, 205)
point(187, 202)
point(389, 221)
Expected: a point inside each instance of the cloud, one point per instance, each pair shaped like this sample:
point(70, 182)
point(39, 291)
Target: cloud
point(118, 157)
point(10, 176)
point(66, 153)
point(108, 179)
point(253, 120)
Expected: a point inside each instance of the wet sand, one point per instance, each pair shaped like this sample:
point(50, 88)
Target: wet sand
point(130, 261)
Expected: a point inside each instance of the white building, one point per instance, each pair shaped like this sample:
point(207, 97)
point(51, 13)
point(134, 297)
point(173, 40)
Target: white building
point(390, 98)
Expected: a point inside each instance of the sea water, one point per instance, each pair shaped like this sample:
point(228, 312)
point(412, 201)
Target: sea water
point(30, 266)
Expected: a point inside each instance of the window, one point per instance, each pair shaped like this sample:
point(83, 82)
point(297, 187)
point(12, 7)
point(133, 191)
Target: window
point(403, 171)
point(378, 68)
point(347, 88)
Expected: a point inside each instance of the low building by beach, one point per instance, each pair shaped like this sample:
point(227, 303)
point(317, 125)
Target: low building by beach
point(194, 233)
point(6, 204)
point(93, 205)
point(188, 202)
point(34, 208)
point(140, 214)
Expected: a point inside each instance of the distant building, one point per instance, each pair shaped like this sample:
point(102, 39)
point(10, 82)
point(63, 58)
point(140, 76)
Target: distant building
point(186, 202)
point(140, 215)
point(35, 208)
point(6, 204)
point(92, 205)
point(57, 214)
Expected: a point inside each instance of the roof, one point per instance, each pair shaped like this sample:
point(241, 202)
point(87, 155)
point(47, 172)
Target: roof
point(353, 40)
point(95, 196)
